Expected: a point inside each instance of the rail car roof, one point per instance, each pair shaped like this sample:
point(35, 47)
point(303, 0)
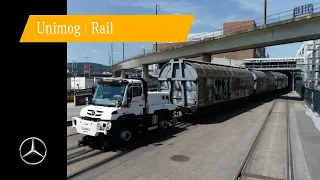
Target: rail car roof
point(259, 73)
point(200, 69)
point(277, 75)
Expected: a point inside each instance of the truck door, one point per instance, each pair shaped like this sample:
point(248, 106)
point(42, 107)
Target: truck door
point(137, 104)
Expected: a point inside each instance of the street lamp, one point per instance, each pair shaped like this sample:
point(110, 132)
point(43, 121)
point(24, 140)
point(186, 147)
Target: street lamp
point(123, 45)
point(123, 51)
point(157, 14)
point(74, 73)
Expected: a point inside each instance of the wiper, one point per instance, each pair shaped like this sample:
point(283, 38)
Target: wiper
point(100, 105)
point(105, 105)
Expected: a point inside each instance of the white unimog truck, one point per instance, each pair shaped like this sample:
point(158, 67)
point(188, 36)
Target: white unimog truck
point(121, 108)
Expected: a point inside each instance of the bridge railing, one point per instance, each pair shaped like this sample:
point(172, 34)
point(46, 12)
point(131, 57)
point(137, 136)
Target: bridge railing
point(230, 31)
point(271, 66)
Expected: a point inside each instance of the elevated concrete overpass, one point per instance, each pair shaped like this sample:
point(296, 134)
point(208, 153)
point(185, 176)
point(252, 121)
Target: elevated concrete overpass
point(283, 32)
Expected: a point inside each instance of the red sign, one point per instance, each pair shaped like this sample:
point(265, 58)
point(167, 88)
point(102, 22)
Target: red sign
point(87, 67)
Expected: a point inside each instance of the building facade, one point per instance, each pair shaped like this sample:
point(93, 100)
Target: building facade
point(310, 50)
point(228, 28)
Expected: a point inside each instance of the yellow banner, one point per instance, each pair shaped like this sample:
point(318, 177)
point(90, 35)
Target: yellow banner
point(107, 28)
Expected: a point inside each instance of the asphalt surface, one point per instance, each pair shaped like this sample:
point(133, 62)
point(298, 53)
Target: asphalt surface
point(73, 110)
point(213, 149)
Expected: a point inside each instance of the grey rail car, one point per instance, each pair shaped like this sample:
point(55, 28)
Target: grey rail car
point(260, 82)
point(271, 81)
point(281, 80)
point(195, 84)
point(276, 81)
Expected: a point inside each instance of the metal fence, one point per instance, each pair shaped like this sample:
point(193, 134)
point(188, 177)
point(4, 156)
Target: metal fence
point(316, 98)
point(310, 96)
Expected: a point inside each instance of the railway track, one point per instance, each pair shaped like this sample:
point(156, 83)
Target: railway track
point(72, 134)
point(247, 171)
point(84, 159)
point(77, 154)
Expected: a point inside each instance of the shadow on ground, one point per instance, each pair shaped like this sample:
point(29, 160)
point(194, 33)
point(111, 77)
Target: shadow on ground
point(216, 114)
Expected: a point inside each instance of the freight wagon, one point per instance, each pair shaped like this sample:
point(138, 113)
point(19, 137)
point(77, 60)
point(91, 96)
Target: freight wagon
point(122, 108)
point(194, 85)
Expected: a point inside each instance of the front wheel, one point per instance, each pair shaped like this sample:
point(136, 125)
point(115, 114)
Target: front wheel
point(125, 135)
point(163, 125)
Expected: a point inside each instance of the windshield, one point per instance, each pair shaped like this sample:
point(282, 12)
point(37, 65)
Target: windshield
point(108, 95)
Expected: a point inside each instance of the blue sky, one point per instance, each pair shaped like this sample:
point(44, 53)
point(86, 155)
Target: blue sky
point(209, 16)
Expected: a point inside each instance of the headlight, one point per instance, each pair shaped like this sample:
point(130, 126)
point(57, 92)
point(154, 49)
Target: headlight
point(108, 125)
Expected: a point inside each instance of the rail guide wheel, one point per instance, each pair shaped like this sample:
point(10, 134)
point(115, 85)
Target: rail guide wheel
point(104, 146)
point(80, 143)
point(83, 141)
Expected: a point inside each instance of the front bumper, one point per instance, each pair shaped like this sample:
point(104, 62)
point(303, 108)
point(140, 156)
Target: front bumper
point(89, 127)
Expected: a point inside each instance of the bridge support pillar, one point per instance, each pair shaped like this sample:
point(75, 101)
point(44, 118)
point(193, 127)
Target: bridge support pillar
point(123, 73)
point(206, 57)
point(114, 74)
point(293, 82)
point(145, 71)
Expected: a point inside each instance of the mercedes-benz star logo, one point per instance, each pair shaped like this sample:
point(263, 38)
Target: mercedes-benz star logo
point(93, 113)
point(24, 154)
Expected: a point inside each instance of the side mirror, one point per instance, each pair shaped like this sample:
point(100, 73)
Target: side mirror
point(93, 90)
point(88, 100)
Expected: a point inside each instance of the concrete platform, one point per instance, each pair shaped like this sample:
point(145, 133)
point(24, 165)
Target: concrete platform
point(305, 140)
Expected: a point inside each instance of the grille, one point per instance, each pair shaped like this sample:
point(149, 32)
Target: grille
point(91, 119)
point(97, 113)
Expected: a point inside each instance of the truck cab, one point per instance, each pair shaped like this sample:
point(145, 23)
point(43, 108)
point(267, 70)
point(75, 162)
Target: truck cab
point(121, 108)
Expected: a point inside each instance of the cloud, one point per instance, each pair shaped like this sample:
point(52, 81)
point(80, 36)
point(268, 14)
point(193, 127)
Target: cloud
point(94, 51)
point(98, 51)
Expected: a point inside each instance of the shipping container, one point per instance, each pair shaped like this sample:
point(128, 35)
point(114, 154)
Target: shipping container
point(89, 83)
point(68, 83)
point(78, 83)
point(81, 82)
